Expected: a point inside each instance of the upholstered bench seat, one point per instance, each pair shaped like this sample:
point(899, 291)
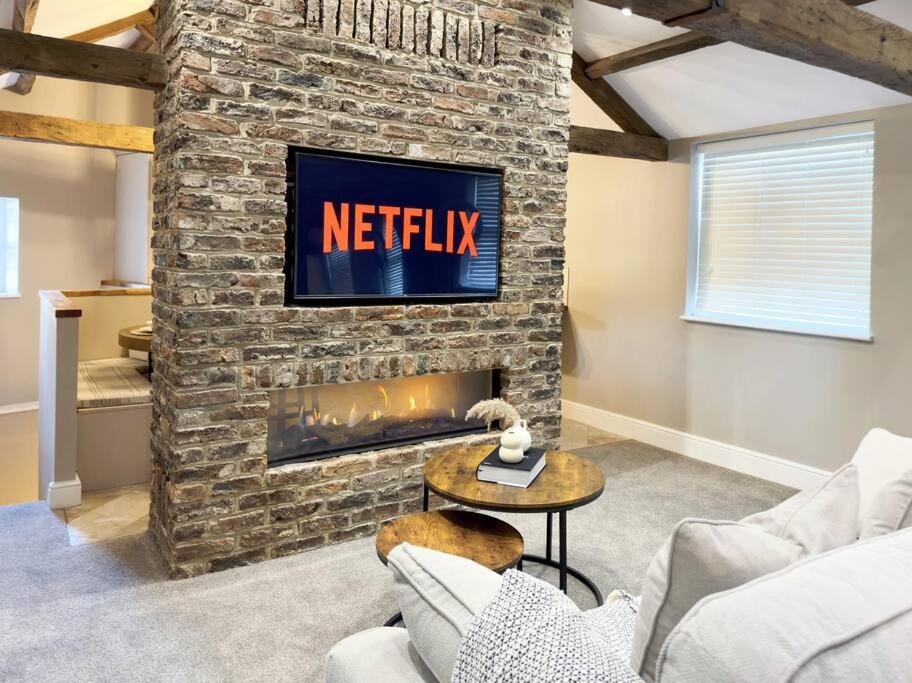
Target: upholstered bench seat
point(112, 382)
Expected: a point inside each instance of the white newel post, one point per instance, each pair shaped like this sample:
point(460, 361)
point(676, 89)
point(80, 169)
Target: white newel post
point(57, 368)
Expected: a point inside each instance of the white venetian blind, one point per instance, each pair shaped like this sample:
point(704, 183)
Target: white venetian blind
point(784, 231)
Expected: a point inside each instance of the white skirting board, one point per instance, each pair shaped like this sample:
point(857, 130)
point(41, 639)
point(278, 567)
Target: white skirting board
point(64, 494)
point(746, 461)
point(18, 408)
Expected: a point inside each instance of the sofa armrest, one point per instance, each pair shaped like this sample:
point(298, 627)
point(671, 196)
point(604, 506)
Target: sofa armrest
point(378, 654)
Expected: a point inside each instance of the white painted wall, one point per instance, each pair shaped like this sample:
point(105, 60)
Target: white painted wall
point(133, 217)
point(66, 227)
point(807, 400)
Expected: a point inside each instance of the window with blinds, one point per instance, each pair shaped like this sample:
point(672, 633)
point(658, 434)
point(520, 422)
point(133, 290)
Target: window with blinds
point(781, 232)
point(9, 247)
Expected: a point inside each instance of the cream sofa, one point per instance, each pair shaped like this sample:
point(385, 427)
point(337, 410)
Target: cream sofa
point(843, 615)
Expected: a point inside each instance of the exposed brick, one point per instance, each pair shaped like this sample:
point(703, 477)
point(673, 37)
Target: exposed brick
point(451, 81)
point(290, 513)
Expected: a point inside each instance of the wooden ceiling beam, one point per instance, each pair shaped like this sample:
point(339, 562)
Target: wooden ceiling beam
point(611, 143)
point(113, 28)
point(24, 13)
point(36, 128)
point(653, 52)
point(830, 34)
point(609, 101)
point(663, 49)
point(146, 40)
point(824, 33)
point(59, 58)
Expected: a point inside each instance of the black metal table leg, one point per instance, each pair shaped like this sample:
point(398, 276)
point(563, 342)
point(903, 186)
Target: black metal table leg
point(425, 504)
point(548, 544)
point(561, 565)
point(562, 550)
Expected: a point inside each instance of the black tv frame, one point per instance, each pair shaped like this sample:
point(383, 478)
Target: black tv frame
point(342, 300)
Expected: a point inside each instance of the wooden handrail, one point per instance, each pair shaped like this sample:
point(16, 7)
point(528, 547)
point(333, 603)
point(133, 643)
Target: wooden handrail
point(127, 291)
point(63, 307)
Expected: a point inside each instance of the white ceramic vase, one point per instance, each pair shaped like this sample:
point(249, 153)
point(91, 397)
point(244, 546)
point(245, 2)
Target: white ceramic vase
point(510, 447)
point(521, 428)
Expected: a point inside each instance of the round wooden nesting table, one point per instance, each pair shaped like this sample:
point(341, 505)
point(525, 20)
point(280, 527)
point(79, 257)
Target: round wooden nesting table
point(487, 540)
point(567, 482)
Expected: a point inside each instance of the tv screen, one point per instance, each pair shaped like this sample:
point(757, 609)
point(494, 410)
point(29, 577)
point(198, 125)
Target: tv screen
point(366, 229)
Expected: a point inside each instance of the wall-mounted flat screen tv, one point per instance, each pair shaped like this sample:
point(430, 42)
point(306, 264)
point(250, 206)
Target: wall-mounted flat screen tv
point(377, 230)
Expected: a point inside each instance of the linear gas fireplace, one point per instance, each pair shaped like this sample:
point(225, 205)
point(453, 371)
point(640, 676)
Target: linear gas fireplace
point(319, 421)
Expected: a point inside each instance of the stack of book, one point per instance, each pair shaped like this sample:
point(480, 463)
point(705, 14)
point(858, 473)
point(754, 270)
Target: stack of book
point(520, 474)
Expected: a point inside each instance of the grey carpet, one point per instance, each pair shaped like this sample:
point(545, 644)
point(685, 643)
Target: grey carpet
point(107, 611)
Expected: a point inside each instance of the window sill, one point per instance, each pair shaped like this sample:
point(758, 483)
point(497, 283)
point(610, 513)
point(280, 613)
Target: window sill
point(11, 295)
point(821, 332)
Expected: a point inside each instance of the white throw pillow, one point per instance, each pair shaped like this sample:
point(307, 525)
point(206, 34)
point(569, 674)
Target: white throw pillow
point(891, 508)
point(703, 557)
point(700, 558)
point(818, 519)
point(845, 615)
point(439, 596)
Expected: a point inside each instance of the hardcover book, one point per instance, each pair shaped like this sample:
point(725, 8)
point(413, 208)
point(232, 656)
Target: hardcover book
point(521, 474)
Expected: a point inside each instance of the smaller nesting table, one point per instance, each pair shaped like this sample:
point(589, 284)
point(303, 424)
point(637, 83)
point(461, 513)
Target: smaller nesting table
point(487, 540)
point(484, 539)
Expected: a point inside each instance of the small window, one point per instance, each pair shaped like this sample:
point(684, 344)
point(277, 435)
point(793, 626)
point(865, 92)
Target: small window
point(9, 247)
point(781, 232)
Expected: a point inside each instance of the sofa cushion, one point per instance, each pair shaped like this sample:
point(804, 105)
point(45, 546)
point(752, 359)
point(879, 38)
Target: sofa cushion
point(378, 654)
point(845, 615)
point(532, 632)
point(439, 595)
point(818, 519)
point(881, 457)
point(700, 558)
point(891, 508)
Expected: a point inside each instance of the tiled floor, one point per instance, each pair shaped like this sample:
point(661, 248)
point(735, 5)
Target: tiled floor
point(578, 435)
point(104, 515)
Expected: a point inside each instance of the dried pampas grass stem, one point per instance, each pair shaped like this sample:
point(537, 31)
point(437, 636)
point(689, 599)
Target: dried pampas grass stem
point(494, 409)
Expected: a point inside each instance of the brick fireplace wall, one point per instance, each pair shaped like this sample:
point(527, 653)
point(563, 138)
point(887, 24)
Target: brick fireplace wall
point(456, 81)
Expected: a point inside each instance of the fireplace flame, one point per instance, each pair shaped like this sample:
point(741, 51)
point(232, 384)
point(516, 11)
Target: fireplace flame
point(417, 407)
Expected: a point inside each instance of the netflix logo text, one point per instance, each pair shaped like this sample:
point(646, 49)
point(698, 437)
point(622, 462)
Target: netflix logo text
point(360, 227)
